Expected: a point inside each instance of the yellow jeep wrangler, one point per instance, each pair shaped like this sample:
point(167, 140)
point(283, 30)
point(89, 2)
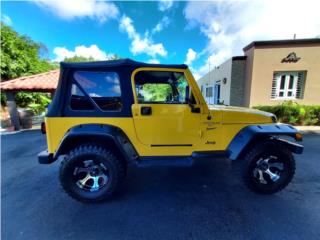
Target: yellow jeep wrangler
point(106, 115)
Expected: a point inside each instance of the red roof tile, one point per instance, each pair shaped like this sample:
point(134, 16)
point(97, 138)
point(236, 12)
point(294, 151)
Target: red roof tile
point(43, 82)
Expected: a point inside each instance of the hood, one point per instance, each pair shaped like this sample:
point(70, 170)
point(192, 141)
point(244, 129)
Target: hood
point(243, 115)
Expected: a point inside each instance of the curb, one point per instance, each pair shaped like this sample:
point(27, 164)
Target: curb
point(312, 130)
point(6, 132)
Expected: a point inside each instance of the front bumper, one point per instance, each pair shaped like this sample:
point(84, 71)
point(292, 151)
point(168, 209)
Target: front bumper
point(45, 157)
point(294, 147)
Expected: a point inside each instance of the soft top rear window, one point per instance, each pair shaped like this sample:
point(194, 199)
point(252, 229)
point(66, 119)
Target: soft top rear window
point(102, 87)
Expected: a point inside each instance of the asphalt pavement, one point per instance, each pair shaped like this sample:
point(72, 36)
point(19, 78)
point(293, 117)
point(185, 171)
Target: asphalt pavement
point(204, 201)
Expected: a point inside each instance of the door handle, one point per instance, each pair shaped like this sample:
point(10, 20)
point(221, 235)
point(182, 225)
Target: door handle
point(146, 111)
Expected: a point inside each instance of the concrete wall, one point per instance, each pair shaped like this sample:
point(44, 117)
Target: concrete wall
point(224, 71)
point(203, 81)
point(262, 62)
point(216, 76)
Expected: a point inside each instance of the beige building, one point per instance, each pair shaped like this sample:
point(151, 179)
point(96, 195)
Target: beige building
point(269, 73)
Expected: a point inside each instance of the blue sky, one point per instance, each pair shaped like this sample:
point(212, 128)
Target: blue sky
point(168, 31)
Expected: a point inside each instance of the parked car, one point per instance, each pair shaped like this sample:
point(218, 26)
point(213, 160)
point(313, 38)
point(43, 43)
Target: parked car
point(107, 115)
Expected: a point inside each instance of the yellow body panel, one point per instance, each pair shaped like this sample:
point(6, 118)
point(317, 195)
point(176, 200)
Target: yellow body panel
point(172, 124)
point(212, 129)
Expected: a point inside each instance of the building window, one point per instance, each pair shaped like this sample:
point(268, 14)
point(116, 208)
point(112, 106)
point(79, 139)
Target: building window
point(288, 85)
point(209, 91)
point(201, 88)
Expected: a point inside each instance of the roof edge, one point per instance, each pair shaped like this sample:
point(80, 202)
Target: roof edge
point(239, 58)
point(119, 62)
point(282, 42)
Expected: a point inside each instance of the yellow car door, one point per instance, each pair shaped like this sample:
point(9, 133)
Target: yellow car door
point(165, 111)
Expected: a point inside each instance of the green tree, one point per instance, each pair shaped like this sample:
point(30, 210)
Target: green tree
point(79, 59)
point(85, 59)
point(20, 56)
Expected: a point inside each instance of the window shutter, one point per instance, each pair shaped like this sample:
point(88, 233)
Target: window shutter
point(274, 87)
point(300, 85)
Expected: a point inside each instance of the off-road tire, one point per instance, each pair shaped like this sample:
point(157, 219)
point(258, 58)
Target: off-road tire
point(269, 147)
point(91, 151)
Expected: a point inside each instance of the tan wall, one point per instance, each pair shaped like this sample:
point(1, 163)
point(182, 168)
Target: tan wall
point(263, 62)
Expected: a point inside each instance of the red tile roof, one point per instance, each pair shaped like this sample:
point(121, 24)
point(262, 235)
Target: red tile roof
point(43, 82)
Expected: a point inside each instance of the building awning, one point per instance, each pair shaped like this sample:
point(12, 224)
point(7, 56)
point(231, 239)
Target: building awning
point(43, 82)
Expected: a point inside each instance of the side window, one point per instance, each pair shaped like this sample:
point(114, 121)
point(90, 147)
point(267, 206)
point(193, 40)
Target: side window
point(161, 87)
point(78, 100)
point(102, 87)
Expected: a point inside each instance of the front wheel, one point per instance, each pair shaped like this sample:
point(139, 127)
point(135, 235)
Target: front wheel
point(268, 167)
point(91, 173)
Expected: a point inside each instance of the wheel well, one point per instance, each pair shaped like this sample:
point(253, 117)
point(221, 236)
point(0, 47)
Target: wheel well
point(255, 140)
point(104, 141)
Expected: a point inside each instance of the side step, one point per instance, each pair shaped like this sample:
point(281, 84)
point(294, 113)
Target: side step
point(165, 161)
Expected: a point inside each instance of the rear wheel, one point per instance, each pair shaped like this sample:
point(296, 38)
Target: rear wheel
point(268, 167)
point(91, 173)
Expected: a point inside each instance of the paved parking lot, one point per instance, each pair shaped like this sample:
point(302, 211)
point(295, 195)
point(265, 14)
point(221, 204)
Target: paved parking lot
point(200, 202)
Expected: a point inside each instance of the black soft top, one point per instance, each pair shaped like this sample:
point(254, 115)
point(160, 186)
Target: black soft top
point(123, 67)
point(119, 63)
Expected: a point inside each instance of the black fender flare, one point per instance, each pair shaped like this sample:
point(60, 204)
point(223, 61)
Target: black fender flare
point(248, 134)
point(97, 132)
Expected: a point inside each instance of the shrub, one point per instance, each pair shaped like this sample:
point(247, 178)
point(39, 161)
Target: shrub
point(37, 102)
point(293, 113)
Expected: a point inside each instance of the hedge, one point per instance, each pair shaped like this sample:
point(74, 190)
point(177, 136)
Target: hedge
point(293, 113)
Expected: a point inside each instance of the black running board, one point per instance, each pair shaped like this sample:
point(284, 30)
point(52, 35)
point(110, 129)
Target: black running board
point(179, 161)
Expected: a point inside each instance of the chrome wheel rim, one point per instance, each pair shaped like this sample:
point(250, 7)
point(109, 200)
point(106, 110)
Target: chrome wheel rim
point(91, 176)
point(268, 170)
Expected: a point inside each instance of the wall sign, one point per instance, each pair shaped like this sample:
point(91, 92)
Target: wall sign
point(291, 58)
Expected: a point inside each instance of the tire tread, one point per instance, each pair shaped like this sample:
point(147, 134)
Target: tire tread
point(250, 155)
point(101, 152)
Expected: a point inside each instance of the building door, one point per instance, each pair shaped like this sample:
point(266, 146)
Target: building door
point(217, 93)
point(161, 113)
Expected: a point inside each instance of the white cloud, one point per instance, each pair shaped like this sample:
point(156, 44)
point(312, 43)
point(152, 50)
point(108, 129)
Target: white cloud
point(116, 89)
point(70, 9)
point(6, 19)
point(164, 22)
point(231, 25)
point(191, 55)
point(140, 44)
point(155, 61)
point(93, 51)
point(164, 5)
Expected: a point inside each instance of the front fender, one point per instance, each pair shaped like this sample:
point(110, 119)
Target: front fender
point(252, 132)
